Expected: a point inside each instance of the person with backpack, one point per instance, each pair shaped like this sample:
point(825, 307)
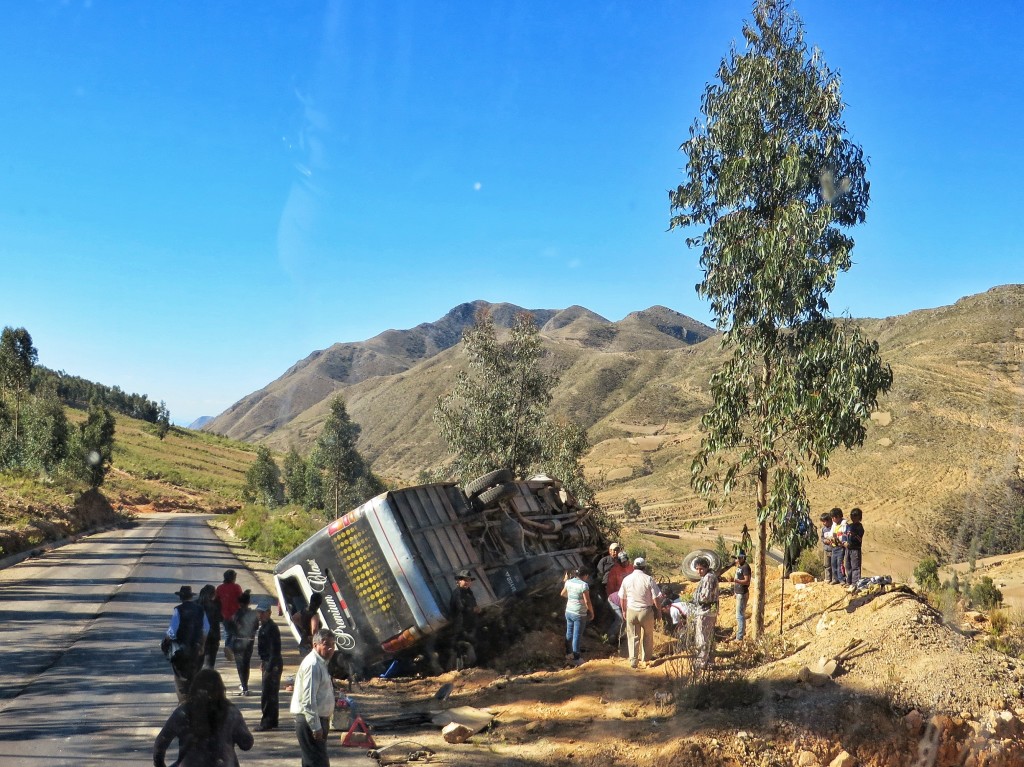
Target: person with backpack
point(183, 643)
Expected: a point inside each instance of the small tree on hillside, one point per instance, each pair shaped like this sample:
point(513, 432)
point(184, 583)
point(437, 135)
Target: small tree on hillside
point(347, 479)
point(163, 420)
point(93, 450)
point(262, 480)
point(772, 183)
point(294, 476)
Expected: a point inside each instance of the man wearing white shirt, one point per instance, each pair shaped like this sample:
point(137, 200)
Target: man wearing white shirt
point(640, 598)
point(313, 701)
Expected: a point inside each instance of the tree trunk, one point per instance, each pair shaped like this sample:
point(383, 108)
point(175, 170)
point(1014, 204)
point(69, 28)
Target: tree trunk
point(761, 569)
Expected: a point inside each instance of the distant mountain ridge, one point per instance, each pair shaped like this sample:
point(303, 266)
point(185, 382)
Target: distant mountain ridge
point(314, 379)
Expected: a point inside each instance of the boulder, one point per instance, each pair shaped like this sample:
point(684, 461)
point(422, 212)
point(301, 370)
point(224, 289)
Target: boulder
point(801, 577)
point(456, 733)
point(807, 759)
point(845, 759)
point(914, 722)
point(813, 678)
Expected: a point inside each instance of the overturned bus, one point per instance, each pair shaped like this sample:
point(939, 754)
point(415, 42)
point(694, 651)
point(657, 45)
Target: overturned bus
point(386, 570)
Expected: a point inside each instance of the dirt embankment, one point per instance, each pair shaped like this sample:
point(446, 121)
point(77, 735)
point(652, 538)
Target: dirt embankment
point(31, 527)
point(915, 690)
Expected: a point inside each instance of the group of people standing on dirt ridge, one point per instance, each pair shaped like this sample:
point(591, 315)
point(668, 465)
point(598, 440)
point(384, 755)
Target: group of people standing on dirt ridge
point(206, 724)
point(842, 543)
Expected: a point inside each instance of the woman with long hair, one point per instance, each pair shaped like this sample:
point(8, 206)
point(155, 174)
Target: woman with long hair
point(207, 725)
point(211, 606)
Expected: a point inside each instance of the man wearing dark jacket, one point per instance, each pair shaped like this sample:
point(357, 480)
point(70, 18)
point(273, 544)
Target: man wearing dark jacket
point(188, 629)
point(462, 612)
point(268, 643)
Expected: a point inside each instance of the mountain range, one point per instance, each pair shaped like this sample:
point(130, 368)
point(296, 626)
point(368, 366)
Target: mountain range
point(940, 471)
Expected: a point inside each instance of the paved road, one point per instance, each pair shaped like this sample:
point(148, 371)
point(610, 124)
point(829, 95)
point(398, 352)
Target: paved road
point(82, 680)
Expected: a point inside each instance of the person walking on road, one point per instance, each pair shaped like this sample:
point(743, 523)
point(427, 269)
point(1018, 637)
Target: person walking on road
point(640, 598)
point(268, 644)
point(228, 594)
point(208, 601)
point(188, 629)
point(207, 727)
point(246, 624)
point(313, 701)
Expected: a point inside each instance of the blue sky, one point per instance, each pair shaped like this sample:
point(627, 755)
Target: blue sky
point(196, 195)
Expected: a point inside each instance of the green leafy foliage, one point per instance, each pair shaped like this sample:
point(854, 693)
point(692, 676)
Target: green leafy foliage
point(163, 420)
point(927, 574)
point(772, 184)
point(262, 480)
point(344, 476)
point(93, 450)
point(275, 533)
point(984, 594)
point(496, 417)
point(17, 357)
point(80, 393)
point(631, 508)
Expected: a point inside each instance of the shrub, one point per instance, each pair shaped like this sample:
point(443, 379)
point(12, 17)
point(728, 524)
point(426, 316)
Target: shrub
point(985, 594)
point(811, 560)
point(1000, 620)
point(631, 508)
point(927, 574)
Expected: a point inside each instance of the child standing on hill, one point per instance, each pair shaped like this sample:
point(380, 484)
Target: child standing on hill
point(826, 544)
point(837, 537)
point(854, 541)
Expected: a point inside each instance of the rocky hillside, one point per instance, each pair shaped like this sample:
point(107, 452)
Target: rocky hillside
point(276, 413)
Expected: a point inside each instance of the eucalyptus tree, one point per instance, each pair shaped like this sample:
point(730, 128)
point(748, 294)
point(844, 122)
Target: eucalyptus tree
point(494, 417)
point(17, 358)
point(773, 184)
point(497, 415)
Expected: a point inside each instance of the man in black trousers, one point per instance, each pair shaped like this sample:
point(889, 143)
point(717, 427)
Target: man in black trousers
point(268, 644)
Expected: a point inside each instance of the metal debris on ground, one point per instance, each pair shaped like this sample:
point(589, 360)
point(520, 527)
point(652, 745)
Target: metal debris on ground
point(402, 752)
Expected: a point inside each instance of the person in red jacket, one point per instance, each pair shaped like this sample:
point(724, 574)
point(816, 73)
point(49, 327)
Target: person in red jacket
point(228, 594)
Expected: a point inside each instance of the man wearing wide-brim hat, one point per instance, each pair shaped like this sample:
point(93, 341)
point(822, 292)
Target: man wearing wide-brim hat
point(186, 635)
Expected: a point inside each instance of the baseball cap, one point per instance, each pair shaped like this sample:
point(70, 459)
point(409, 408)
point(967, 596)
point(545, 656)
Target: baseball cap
point(614, 546)
point(639, 562)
